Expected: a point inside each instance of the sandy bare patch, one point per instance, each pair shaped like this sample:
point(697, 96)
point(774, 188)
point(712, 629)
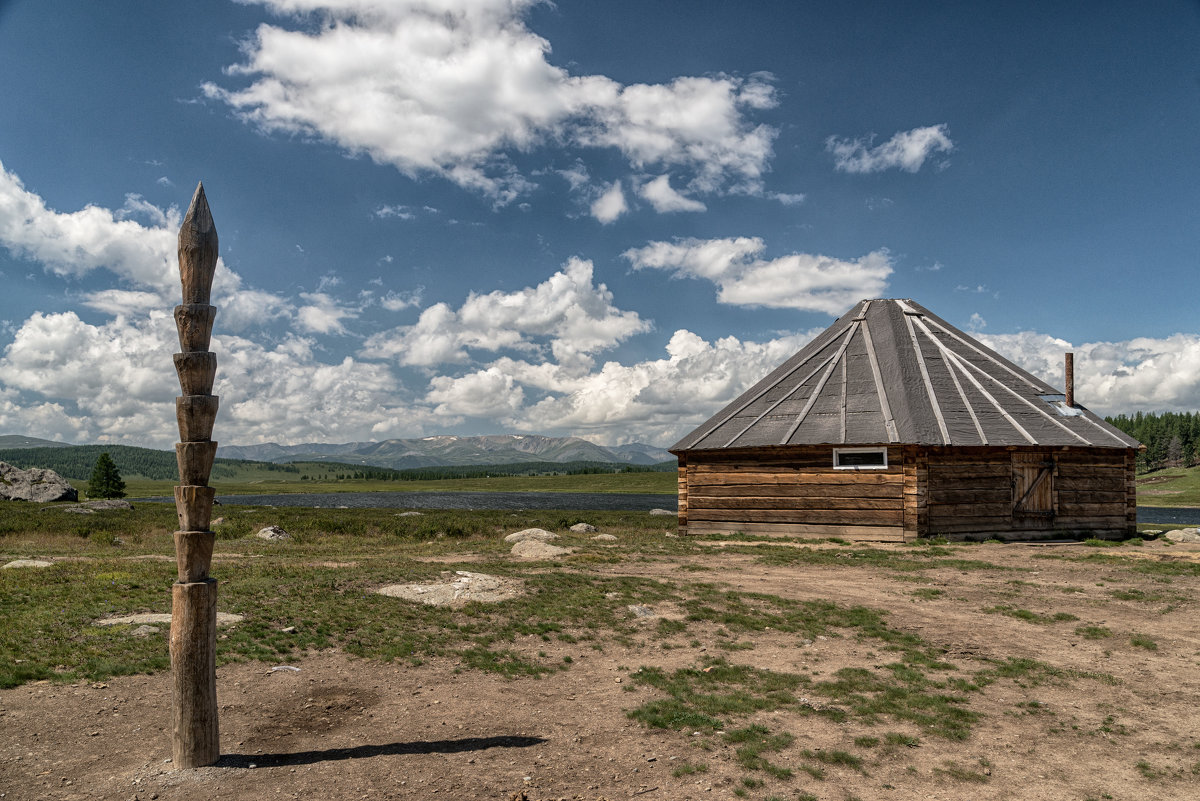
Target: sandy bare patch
point(457, 589)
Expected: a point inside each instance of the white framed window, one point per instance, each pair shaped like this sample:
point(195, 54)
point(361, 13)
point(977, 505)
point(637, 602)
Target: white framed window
point(860, 459)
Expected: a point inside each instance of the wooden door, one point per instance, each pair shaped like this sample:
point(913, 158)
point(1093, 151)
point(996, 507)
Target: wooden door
point(1034, 501)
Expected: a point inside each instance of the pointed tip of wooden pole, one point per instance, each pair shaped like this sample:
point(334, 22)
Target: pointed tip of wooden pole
point(199, 216)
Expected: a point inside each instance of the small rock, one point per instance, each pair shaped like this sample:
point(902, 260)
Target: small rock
point(536, 549)
point(583, 528)
point(27, 563)
point(539, 534)
point(411, 514)
point(604, 538)
point(144, 631)
point(107, 503)
point(289, 630)
point(217, 522)
point(640, 610)
point(663, 512)
point(273, 534)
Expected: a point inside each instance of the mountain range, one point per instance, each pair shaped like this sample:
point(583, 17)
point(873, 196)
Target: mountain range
point(433, 451)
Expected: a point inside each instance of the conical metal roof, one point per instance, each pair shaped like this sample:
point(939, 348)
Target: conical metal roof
point(892, 371)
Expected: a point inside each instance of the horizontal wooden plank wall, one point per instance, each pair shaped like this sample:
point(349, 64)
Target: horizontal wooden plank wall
point(793, 492)
point(1093, 492)
point(970, 491)
point(961, 493)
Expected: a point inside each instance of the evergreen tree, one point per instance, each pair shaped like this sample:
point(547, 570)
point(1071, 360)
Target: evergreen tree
point(106, 479)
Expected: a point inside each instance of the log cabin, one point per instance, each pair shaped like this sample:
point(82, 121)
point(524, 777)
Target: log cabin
point(893, 425)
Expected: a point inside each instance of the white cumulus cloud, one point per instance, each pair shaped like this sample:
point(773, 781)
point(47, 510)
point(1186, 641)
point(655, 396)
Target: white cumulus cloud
point(665, 199)
point(796, 281)
point(567, 313)
point(454, 87)
point(906, 150)
point(610, 205)
point(1141, 374)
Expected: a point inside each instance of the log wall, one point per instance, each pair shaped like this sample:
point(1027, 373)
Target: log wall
point(973, 493)
point(959, 493)
point(791, 491)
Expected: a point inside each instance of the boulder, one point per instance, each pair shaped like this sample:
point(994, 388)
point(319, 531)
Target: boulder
point(35, 484)
point(1184, 535)
point(583, 528)
point(604, 538)
point(273, 533)
point(411, 514)
point(663, 512)
point(539, 534)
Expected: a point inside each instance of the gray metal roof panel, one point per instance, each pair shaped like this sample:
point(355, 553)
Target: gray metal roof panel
point(892, 371)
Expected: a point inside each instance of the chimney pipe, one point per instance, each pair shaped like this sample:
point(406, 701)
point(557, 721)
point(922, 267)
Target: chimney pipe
point(1070, 370)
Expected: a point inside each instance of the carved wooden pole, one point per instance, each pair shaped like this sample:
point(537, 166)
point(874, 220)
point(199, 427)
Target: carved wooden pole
point(195, 738)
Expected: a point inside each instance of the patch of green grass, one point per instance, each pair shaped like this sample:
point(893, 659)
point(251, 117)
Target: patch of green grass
point(866, 742)
point(927, 593)
point(1028, 616)
point(1142, 641)
point(1090, 632)
point(1034, 673)
point(754, 741)
point(897, 740)
point(689, 769)
point(835, 757)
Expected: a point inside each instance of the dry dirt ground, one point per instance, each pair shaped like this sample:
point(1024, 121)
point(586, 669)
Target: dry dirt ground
point(344, 728)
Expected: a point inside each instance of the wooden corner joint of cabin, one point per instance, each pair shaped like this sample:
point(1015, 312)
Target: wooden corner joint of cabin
point(195, 740)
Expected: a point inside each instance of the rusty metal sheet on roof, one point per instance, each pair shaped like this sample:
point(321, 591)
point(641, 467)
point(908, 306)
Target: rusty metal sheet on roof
point(892, 371)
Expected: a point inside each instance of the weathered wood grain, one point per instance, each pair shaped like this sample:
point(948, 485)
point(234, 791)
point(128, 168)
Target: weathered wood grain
point(802, 503)
point(193, 505)
point(194, 322)
point(195, 461)
point(855, 533)
point(195, 415)
point(197, 250)
point(197, 370)
point(875, 517)
point(193, 555)
point(195, 740)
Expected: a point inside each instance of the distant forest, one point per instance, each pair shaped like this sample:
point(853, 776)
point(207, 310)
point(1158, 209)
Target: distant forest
point(77, 462)
point(1172, 439)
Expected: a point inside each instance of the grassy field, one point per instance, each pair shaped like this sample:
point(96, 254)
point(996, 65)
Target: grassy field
point(1173, 486)
point(782, 667)
point(251, 482)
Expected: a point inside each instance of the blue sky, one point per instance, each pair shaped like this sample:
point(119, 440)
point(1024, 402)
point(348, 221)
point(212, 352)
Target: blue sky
point(599, 219)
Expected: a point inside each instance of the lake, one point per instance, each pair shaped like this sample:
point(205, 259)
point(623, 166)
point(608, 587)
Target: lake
point(1154, 515)
point(456, 500)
